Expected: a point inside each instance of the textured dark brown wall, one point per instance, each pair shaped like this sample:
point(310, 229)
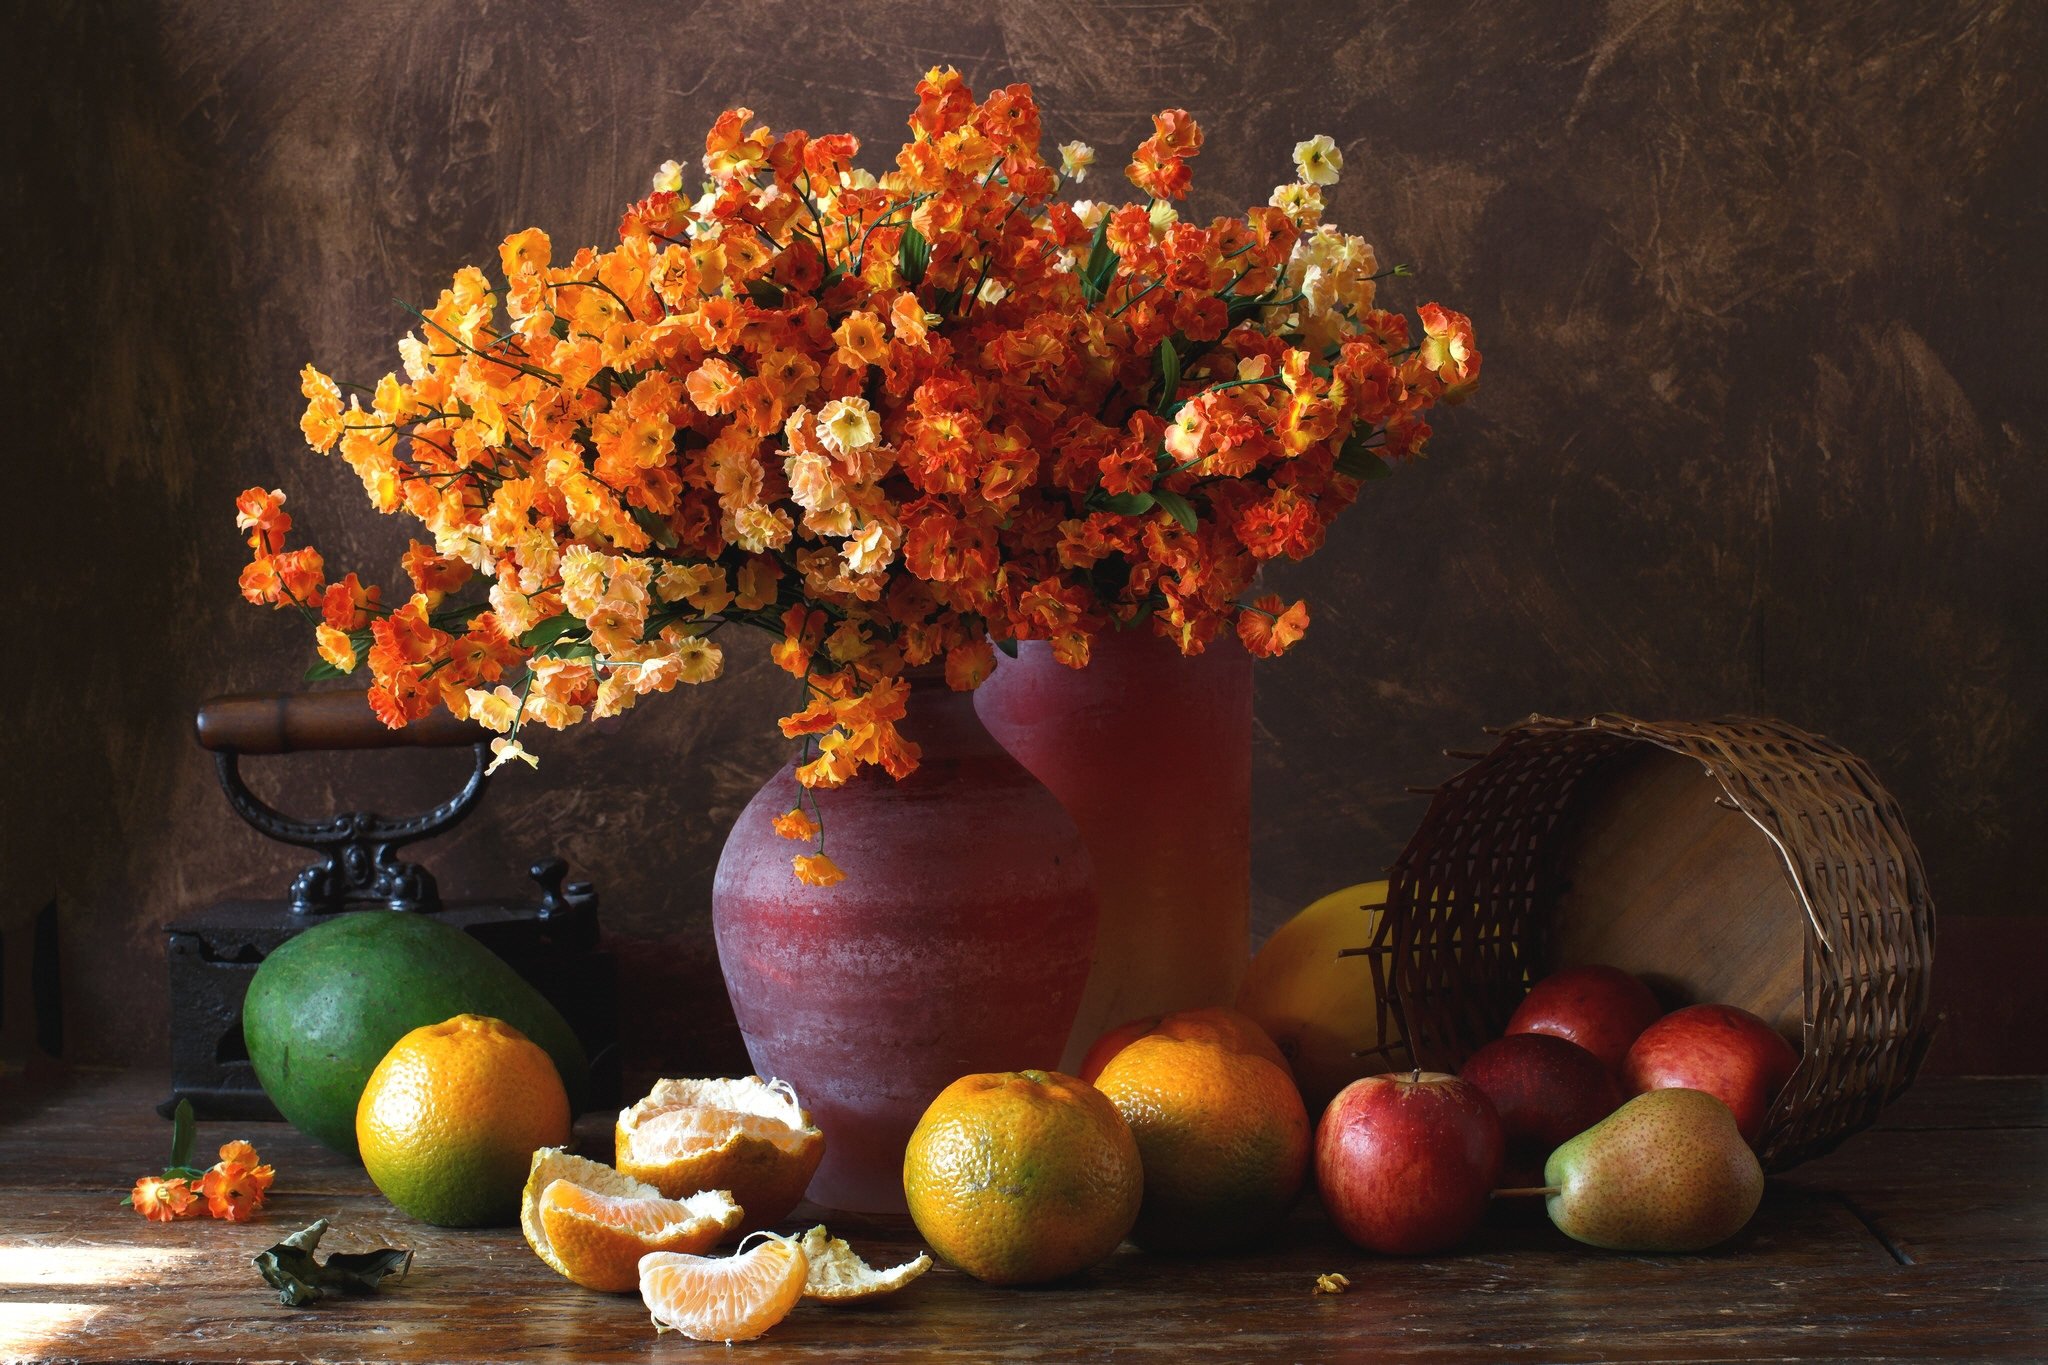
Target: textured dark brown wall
point(1759, 287)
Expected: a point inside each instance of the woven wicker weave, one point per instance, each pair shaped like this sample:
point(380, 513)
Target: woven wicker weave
point(1471, 892)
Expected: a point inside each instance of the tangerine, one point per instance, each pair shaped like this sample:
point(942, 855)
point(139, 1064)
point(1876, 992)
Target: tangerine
point(1223, 1136)
point(1022, 1176)
point(450, 1119)
point(1216, 1023)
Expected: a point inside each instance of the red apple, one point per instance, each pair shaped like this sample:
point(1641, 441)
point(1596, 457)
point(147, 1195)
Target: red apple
point(1546, 1091)
point(1407, 1162)
point(1600, 1008)
point(1729, 1053)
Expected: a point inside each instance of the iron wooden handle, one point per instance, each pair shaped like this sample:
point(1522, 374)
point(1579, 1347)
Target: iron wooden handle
point(292, 722)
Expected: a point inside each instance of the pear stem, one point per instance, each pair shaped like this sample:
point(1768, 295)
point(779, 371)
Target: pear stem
point(1545, 1190)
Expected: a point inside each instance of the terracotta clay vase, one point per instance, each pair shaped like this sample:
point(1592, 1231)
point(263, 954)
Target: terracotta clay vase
point(958, 943)
point(1151, 753)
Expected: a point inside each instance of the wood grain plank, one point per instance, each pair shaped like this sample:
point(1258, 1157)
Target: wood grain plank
point(83, 1279)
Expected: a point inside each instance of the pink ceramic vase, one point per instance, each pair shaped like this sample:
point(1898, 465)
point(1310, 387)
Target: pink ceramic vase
point(959, 942)
point(1151, 753)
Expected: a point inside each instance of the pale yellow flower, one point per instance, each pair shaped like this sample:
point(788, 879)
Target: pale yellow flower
point(493, 710)
point(1075, 159)
point(848, 424)
point(701, 661)
point(1319, 160)
point(507, 750)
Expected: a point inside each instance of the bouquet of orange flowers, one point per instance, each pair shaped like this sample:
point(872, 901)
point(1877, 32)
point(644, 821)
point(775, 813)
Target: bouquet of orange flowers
point(896, 421)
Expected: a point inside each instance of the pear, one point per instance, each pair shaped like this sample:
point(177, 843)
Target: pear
point(1665, 1172)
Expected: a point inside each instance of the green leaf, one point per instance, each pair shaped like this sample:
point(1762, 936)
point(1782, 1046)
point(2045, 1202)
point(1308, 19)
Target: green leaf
point(1008, 647)
point(448, 618)
point(320, 670)
point(181, 1134)
point(1101, 267)
point(1169, 373)
point(655, 527)
point(1242, 308)
point(1130, 504)
point(572, 649)
point(766, 293)
point(1358, 460)
point(1177, 507)
point(913, 254)
point(299, 1280)
point(549, 631)
point(947, 301)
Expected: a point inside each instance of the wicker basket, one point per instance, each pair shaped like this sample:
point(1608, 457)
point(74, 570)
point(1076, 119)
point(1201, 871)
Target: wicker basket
point(1739, 861)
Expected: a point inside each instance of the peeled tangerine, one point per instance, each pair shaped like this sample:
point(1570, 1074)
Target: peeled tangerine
point(750, 1137)
point(1668, 1171)
point(593, 1224)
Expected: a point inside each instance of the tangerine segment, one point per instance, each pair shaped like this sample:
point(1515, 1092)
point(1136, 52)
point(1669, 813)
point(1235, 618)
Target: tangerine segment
point(839, 1275)
point(748, 1136)
point(725, 1298)
point(601, 1237)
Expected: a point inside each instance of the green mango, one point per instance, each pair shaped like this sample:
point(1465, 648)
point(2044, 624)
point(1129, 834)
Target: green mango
point(1665, 1172)
point(326, 1006)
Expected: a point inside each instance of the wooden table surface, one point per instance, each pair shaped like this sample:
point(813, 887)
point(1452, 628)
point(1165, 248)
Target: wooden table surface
point(1924, 1239)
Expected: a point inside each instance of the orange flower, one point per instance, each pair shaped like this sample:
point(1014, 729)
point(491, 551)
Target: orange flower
point(163, 1201)
point(263, 516)
point(347, 604)
point(796, 825)
point(1268, 628)
point(888, 416)
point(713, 387)
point(1177, 132)
point(968, 666)
point(242, 1154)
point(815, 869)
point(1448, 349)
point(335, 648)
point(802, 631)
point(434, 574)
point(1158, 172)
point(322, 423)
point(233, 1191)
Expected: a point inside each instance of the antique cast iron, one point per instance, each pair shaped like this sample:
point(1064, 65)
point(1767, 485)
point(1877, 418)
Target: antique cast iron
point(214, 953)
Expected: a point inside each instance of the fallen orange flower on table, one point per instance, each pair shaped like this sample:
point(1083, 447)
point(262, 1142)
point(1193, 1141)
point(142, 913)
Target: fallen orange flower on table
point(161, 1200)
point(234, 1188)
